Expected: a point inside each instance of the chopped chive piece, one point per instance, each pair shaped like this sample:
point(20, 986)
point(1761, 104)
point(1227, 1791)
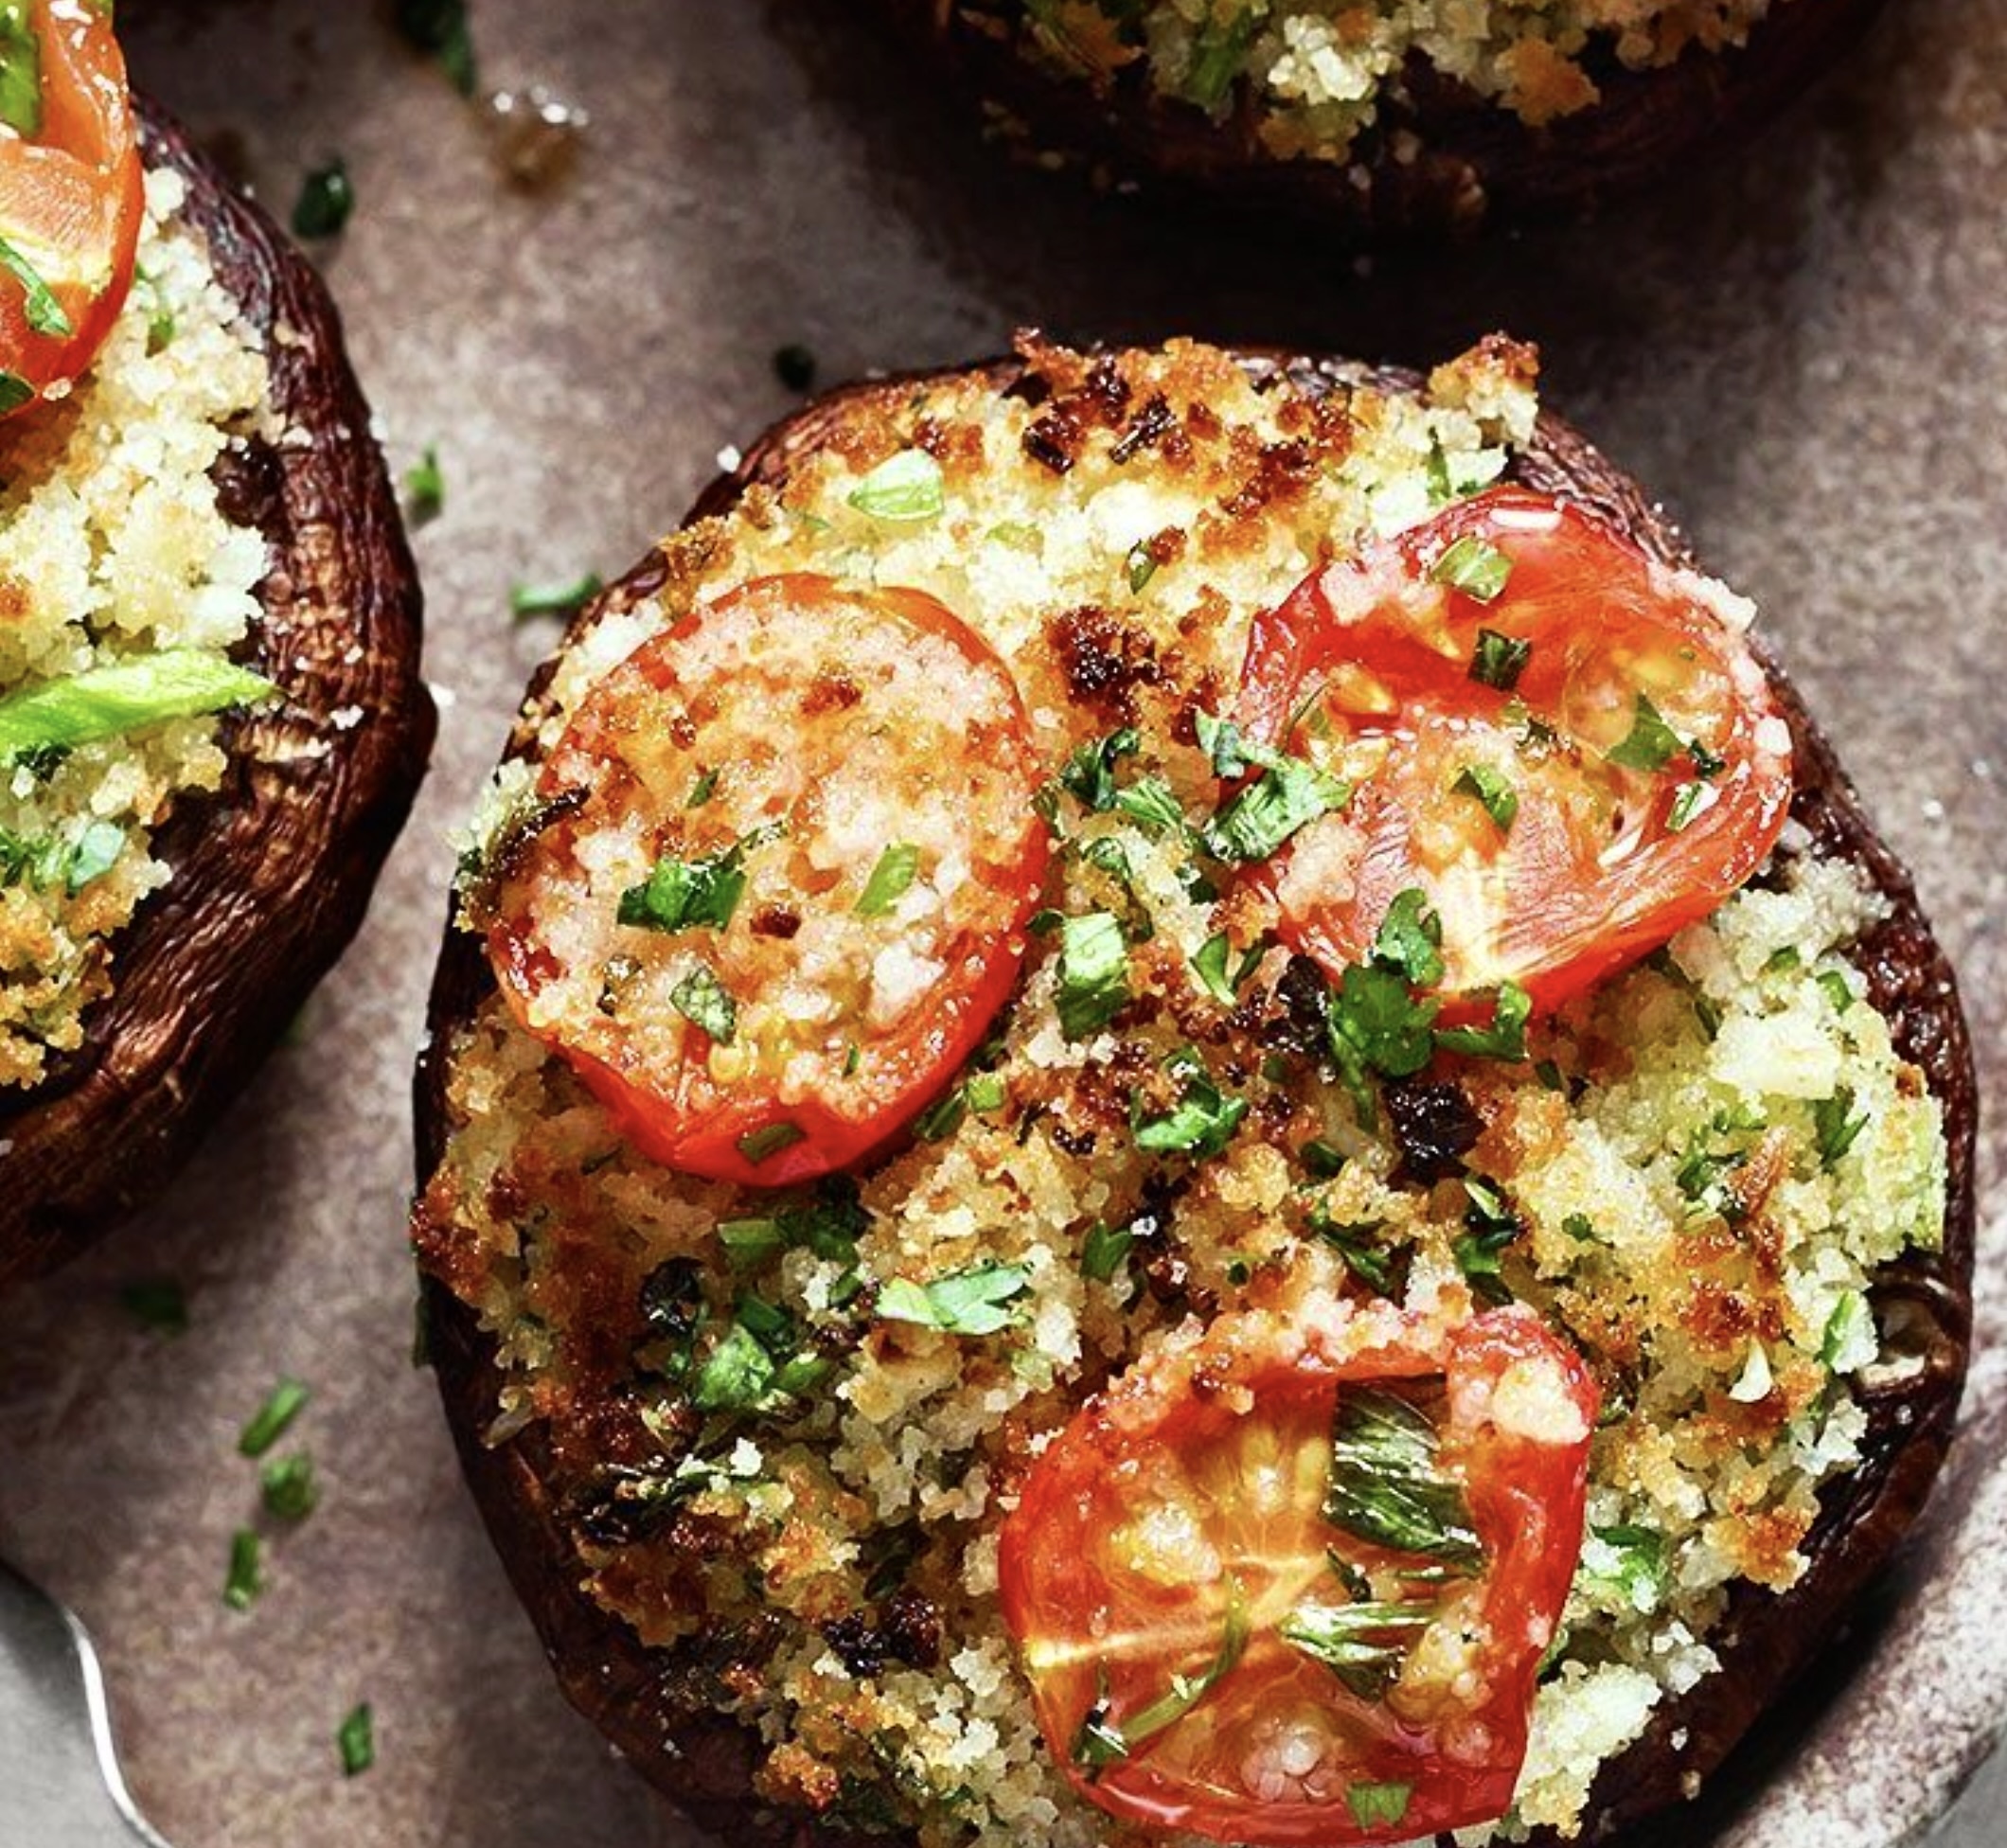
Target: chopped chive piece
point(1141, 566)
point(1650, 744)
point(1387, 1484)
point(1498, 660)
point(1377, 1806)
point(268, 1423)
point(1321, 1161)
point(749, 1243)
point(161, 324)
point(19, 71)
point(1582, 1229)
point(1835, 1127)
point(701, 999)
point(986, 1092)
point(1705, 763)
point(762, 1145)
point(1089, 774)
point(1850, 1333)
point(889, 879)
point(245, 1576)
point(1689, 799)
point(702, 790)
point(288, 1488)
point(439, 27)
point(1499, 799)
point(157, 1302)
point(1410, 938)
point(1477, 569)
point(1105, 1251)
point(1626, 1566)
point(1383, 1271)
point(525, 600)
point(904, 489)
point(1093, 973)
point(1218, 50)
point(425, 488)
point(1210, 964)
point(1506, 1038)
point(967, 1302)
point(111, 700)
point(355, 1738)
point(326, 203)
point(1185, 1692)
point(44, 312)
point(1838, 989)
point(15, 391)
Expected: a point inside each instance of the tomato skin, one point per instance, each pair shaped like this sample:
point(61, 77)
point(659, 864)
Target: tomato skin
point(1218, 1454)
point(794, 682)
point(71, 199)
point(1591, 872)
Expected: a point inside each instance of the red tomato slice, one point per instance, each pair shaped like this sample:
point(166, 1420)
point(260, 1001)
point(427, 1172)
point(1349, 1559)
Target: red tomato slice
point(71, 198)
point(1173, 1557)
point(839, 785)
point(1550, 864)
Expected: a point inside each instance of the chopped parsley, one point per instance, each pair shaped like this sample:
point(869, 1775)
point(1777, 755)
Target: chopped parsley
point(1375, 1025)
point(123, 696)
point(439, 28)
point(425, 488)
point(701, 999)
point(1410, 938)
point(288, 1488)
point(1093, 973)
point(904, 490)
point(1383, 1271)
point(15, 391)
point(270, 1422)
point(1506, 1038)
point(1101, 1742)
point(52, 862)
point(1474, 567)
point(979, 1094)
point(1834, 1125)
point(685, 894)
point(972, 1302)
point(1141, 566)
point(1089, 774)
point(1377, 1806)
point(1105, 1251)
point(19, 71)
point(1365, 1644)
point(1650, 744)
point(829, 1225)
point(525, 600)
point(1203, 1121)
point(44, 312)
point(889, 879)
point(1626, 1566)
point(1259, 817)
point(1836, 989)
point(758, 1363)
point(1210, 963)
point(1498, 660)
point(702, 789)
point(1387, 1485)
point(355, 1739)
point(326, 203)
point(1493, 793)
point(1689, 800)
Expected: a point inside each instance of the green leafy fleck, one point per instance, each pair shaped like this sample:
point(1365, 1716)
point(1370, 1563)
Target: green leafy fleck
point(112, 700)
point(1365, 1644)
point(1093, 973)
point(355, 1739)
point(1258, 817)
point(681, 894)
point(1105, 1251)
point(288, 1488)
point(325, 201)
point(904, 490)
point(1689, 800)
point(244, 1578)
point(555, 599)
point(44, 312)
point(889, 879)
point(762, 1145)
point(1388, 1487)
point(425, 488)
point(1203, 1121)
point(1142, 567)
point(1650, 744)
point(1498, 660)
point(701, 999)
point(1410, 938)
point(1506, 1038)
point(1834, 1125)
point(439, 28)
point(1377, 1806)
point(1474, 567)
point(1493, 793)
point(969, 1301)
point(20, 70)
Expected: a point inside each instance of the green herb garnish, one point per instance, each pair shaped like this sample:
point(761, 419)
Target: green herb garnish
point(244, 1577)
point(355, 1738)
point(288, 1488)
point(1474, 567)
point(1105, 1251)
point(1258, 819)
point(1363, 1644)
point(20, 70)
point(439, 28)
point(967, 1302)
point(1377, 1806)
point(1506, 1038)
point(1203, 1121)
point(44, 312)
point(1493, 792)
point(526, 600)
point(1142, 567)
point(889, 879)
point(904, 489)
point(268, 1423)
point(701, 999)
point(760, 1145)
point(1410, 938)
point(1388, 1487)
point(687, 895)
point(1836, 1128)
point(1650, 744)
point(425, 488)
point(1093, 973)
point(111, 700)
point(327, 202)
point(1498, 660)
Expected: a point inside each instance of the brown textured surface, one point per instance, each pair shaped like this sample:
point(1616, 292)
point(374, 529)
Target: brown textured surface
point(1803, 354)
point(271, 875)
point(1439, 159)
point(1923, 1304)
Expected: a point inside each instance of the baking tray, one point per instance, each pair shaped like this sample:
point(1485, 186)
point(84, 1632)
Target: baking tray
point(1803, 350)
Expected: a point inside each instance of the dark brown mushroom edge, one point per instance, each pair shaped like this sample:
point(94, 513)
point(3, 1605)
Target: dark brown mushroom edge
point(542, 1484)
point(1437, 158)
point(271, 873)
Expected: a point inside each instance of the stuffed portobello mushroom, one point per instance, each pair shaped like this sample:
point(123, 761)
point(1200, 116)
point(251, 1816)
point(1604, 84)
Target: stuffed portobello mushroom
point(212, 722)
point(1392, 117)
point(1172, 1101)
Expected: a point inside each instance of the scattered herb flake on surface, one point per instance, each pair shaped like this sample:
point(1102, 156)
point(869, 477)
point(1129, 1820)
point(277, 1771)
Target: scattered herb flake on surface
point(327, 202)
point(1498, 660)
point(889, 879)
point(245, 1579)
point(355, 1738)
point(904, 490)
point(439, 28)
point(969, 1301)
point(760, 1145)
point(526, 600)
point(1650, 744)
point(1104, 1251)
point(269, 1423)
point(288, 1488)
point(1093, 973)
point(425, 488)
point(157, 1302)
point(1492, 791)
point(1474, 567)
point(701, 998)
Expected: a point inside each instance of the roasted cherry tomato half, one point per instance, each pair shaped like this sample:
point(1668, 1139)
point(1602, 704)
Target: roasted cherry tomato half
point(71, 193)
point(1290, 1582)
point(1567, 746)
point(778, 891)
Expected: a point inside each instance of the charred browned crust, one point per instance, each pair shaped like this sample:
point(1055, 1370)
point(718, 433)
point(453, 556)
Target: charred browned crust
point(272, 874)
point(1922, 1302)
point(1440, 158)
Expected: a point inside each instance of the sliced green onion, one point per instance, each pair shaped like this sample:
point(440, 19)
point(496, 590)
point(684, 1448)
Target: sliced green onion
point(245, 1578)
point(758, 1146)
point(288, 1488)
point(268, 1423)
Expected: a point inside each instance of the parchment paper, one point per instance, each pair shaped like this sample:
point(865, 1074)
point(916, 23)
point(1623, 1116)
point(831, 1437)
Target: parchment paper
point(1803, 350)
